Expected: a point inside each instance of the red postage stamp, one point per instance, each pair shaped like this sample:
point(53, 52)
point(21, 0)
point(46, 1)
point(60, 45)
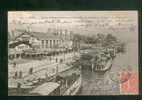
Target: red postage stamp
point(131, 85)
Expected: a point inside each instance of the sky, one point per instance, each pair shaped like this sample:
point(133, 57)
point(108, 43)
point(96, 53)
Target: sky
point(123, 24)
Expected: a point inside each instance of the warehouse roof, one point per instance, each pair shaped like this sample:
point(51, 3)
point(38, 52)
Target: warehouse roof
point(41, 35)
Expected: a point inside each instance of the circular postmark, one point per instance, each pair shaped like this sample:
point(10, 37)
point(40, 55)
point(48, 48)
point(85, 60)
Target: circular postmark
point(120, 76)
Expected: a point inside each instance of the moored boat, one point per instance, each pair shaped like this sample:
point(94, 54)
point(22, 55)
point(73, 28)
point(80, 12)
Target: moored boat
point(66, 83)
point(74, 89)
point(105, 66)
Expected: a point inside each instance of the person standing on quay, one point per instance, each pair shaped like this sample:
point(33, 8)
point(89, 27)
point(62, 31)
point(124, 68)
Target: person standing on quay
point(31, 70)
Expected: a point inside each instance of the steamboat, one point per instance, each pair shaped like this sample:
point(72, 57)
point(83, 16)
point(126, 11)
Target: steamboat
point(66, 83)
point(101, 59)
point(105, 60)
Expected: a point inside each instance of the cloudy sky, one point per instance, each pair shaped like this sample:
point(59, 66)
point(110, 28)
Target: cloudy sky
point(120, 23)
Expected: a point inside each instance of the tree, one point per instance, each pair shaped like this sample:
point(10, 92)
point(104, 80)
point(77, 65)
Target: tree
point(76, 41)
point(100, 38)
point(121, 48)
point(109, 40)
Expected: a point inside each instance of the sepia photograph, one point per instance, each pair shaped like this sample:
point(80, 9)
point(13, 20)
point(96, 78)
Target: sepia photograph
point(69, 53)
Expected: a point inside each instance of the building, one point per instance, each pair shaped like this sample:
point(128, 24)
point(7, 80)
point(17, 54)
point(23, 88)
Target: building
point(42, 42)
point(16, 48)
point(47, 40)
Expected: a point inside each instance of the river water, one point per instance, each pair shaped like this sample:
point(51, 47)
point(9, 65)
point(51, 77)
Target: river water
point(96, 83)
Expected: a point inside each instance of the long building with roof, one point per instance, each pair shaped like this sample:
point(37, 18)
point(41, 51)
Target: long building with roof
point(42, 42)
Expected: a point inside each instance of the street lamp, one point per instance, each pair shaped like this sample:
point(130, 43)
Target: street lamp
point(64, 53)
point(57, 69)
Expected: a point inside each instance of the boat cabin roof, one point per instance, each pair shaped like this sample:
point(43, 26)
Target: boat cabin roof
point(46, 88)
point(70, 72)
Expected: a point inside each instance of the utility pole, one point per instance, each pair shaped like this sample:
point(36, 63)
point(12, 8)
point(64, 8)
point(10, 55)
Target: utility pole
point(64, 53)
point(57, 69)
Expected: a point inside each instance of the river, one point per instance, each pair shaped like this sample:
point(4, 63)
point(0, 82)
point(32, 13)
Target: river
point(95, 83)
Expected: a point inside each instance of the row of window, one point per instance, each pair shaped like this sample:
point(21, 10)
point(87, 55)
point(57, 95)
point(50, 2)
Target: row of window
point(50, 43)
